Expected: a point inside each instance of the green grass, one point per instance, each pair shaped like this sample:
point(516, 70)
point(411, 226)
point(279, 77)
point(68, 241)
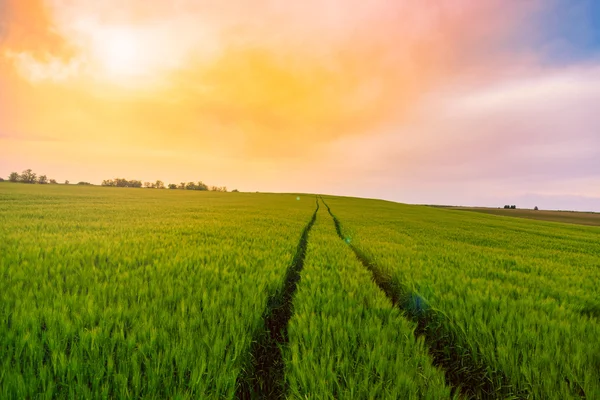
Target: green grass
point(346, 340)
point(136, 293)
point(520, 296)
point(141, 293)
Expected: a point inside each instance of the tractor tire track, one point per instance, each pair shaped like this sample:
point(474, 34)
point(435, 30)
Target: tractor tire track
point(465, 372)
point(264, 377)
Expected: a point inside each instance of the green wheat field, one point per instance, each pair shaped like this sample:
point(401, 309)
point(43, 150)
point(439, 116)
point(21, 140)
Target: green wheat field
point(166, 294)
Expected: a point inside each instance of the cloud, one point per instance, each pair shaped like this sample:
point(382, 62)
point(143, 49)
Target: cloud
point(29, 27)
point(535, 134)
point(52, 68)
point(4, 18)
point(275, 77)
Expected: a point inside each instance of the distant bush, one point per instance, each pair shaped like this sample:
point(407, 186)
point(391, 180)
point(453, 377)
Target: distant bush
point(1, 179)
point(235, 191)
point(84, 183)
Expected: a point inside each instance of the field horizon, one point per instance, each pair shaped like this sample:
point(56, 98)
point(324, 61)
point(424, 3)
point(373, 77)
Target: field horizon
point(556, 215)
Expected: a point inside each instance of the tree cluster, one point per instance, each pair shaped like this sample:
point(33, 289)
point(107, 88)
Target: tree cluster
point(154, 185)
point(120, 182)
point(28, 176)
point(513, 207)
point(193, 186)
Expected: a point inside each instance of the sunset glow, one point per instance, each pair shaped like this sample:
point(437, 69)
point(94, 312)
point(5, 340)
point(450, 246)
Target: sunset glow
point(455, 101)
point(117, 52)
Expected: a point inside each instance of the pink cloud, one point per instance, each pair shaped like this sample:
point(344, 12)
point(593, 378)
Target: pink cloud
point(537, 134)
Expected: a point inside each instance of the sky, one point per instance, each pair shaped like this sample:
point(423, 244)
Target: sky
point(463, 102)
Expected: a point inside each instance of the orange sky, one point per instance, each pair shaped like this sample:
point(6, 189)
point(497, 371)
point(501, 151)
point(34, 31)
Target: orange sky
point(318, 96)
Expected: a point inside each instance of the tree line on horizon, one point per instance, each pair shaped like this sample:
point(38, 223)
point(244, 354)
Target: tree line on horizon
point(28, 176)
point(121, 182)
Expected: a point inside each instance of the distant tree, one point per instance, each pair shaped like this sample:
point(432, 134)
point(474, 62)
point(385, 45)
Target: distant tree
point(43, 179)
point(1, 179)
point(28, 176)
point(120, 182)
point(84, 183)
point(535, 208)
point(506, 206)
point(201, 186)
point(190, 186)
point(66, 182)
point(53, 182)
point(235, 191)
point(13, 177)
point(513, 207)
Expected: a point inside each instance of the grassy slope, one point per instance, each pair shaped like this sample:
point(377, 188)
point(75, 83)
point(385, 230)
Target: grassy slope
point(346, 340)
point(113, 292)
point(567, 217)
point(101, 288)
point(522, 294)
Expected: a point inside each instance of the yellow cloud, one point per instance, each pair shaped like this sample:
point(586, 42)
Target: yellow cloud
point(247, 79)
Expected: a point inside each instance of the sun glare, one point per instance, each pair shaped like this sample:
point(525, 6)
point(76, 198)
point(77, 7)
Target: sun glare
point(119, 52)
